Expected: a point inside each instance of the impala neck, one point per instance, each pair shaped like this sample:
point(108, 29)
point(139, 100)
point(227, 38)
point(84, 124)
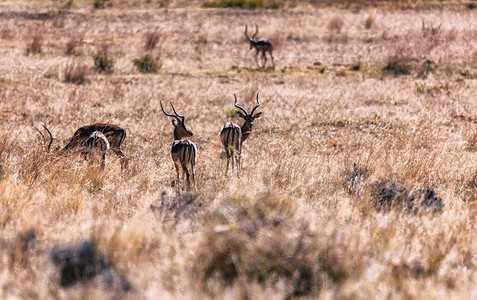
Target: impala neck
point(246, 130)
point(177, 136)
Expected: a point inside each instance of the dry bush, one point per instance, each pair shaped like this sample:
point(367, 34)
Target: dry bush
point(433, 35)
point(71, 47)
point(262, 241)
point(388, 195)
point(397, 66)
point(22, 248)
point(335, 33)
point(75, 72)
point(401, 62)
point(151, 39)
point(181, 206)
point(370, 20)
point(35, 44)
point(336, 24)
point(353, 178)
point(6, 33)
point(84, 262)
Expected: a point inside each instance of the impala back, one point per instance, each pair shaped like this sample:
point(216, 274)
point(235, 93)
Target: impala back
point(184, 152)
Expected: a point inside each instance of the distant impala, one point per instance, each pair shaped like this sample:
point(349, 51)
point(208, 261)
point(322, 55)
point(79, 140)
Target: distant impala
point(232, 135)
point(183, 151)
point(261, 45)
point(95, 137)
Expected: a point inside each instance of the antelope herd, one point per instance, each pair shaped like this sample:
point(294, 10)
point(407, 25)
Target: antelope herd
point(96, 140)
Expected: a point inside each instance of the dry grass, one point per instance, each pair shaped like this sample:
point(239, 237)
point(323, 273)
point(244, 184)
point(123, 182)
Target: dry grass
point(75, 72)
point(354, 185)
point(151, 39)
point(71, 46)
point(34, 46)
point(370, 21)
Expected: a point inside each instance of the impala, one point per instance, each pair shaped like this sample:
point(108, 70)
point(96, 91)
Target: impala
point(183, 151)
point(99, 135)
point(232, 135)
point(261, 45)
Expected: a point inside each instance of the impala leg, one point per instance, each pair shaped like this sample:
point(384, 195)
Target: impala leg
point(193, 175)
point(273, 60)
point(256, 58)
point(178, 178)
point(264, 59)
point(233, 161)
point(122, 156)
point(227, 169)
point(187, 175)
point(103, 161)
point(227, 155)
point(238, 165)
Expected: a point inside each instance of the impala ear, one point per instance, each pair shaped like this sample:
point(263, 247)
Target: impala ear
point(257, 115)
point(174, 123)
point(240, 114)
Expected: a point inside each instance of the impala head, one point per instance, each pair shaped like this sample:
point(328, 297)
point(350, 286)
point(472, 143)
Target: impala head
point(251, 40)
point(249, 118)
point(180, 131)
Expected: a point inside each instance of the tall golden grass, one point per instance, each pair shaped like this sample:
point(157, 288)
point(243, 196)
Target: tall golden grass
point(342, 175)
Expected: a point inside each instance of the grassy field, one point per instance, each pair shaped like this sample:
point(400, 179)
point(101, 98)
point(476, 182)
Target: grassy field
point(359, 179)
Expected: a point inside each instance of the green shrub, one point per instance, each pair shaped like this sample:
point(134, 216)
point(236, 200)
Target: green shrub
point(231, 111)
point(146, 64)
point(98, 4)
point(102, 64)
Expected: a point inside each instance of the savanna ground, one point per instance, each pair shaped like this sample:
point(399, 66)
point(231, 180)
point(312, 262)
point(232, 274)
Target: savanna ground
point(359, 179)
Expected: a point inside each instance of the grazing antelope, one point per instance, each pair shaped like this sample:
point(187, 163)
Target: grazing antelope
point(233, 135)
point(183, 151)
point(105, 136)
point(261, 45)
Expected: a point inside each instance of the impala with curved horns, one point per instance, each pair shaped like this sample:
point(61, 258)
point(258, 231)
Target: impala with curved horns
point(232, 135)
point(261, 46)
point(99, 135)
point(183, 151)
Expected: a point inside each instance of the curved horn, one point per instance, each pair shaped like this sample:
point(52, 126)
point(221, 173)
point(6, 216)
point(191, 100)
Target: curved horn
point(256, 32)
point(169, 115)
point(258, 104)
point(238, 106)
point(43, 136)
point(175, 112)
point(51, 136)
point(246, 34)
